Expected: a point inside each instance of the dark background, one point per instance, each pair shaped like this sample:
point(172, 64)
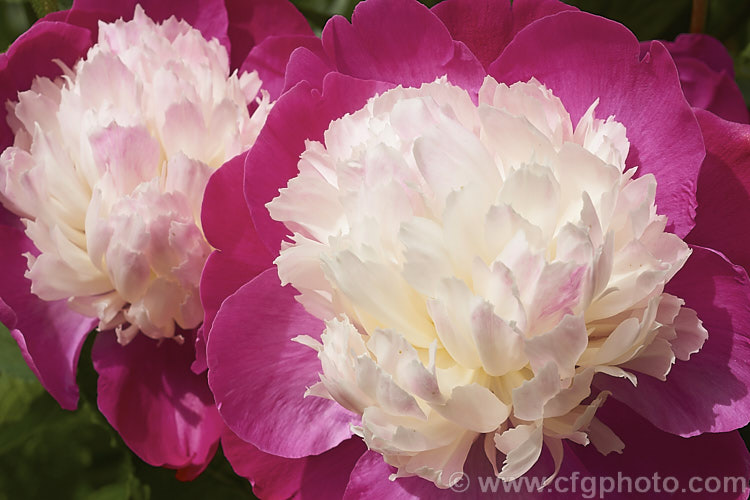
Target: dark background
point(46, 452)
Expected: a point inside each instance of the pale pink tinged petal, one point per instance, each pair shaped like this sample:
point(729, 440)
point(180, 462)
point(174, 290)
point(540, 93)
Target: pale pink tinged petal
point(49, 334)
point(426, 258)
point(511, 137)
point(535, 179)
point(207, 16)
point(500, 347)
point(474, 407)
point(569, 398)
point(558, 292)
point(300, 114)
point(399, 358)
point(128, 154)
point(259, 376)
point(562, 346)
point(178, 425)
point(401, 43)
point(270, 57)
point(531, 396)
point(649, 451)
point(385, 392)
point(724, 189)
point(32, 55)
point(450, 157)
point(654, 360)
point(689, 402)
point(522, 446)
point(691, 337)
point(185, 130)
point(240, 255)
point(450, 311)
point(381, 293)
point(645, 96)
point(278, 478)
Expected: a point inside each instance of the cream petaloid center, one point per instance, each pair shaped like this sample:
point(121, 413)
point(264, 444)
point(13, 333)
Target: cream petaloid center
point(109, 166)
point(476, 266)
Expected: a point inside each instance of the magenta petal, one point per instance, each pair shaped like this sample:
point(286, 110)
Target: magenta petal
point(526, 12)
point(301, 113)
point(207, 16)
point(708, 393)
point(704, 48)
point(712, 91)
point(643, 95)
point(307, 65)
point(277, 478)
point(252, 21)
point(32, 55)
point(270, 57)
point(487, 26)
point(724, 189)
point(649, 451)
point(259, 376)
point(9, 219)
point(401, 43)
point(49, 334)
point(163, 411)
point(239, 254)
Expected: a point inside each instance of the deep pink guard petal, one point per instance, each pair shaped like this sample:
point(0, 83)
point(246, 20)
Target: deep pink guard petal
point(649, 451)
point(49, 334)
point(400, 43)
point(163, 411)
point(724, 189)
point(487, 26)
point(32, 55)
point(277, 478)
point(259, 376)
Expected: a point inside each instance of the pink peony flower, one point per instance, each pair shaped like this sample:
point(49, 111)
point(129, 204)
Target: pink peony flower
point(487, 261)
point(117, 114)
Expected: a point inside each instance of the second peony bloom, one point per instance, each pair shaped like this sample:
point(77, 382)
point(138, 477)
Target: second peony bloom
point(486, 263)
point(115, 114)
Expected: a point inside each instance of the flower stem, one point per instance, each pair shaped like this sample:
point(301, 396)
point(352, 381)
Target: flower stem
point(698, 17)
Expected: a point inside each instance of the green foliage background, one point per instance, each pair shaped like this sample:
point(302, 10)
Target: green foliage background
point(46, 452)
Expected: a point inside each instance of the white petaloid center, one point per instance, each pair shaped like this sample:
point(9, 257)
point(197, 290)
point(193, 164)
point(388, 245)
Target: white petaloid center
point(109, 167)
point(476, 265)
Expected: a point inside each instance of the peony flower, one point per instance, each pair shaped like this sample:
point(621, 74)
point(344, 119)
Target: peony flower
point(487, 262)
point(117, 114)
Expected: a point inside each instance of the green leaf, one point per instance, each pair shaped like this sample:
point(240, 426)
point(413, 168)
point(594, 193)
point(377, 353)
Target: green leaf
point(11, 359)
point(649, 20)
point(44, 7)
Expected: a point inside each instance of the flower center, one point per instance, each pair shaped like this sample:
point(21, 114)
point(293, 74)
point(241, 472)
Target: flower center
point(476, 266)
point(109, 166)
